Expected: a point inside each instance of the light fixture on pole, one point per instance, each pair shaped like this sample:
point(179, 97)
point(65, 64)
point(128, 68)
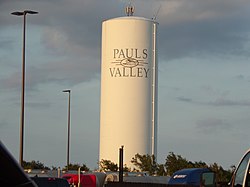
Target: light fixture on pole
point(68, 91)
point(24, 13)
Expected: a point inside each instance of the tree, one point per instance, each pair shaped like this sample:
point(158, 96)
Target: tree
point(76, 167)
point(34, 165)
point(160, 170)
point(176, 162)
point(200, 164)
point(222, 176)
point(145, 163)
point(107, 165)
point(126, 169)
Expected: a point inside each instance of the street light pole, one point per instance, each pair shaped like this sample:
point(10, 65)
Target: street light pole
point(24, 13)
point(68, 91)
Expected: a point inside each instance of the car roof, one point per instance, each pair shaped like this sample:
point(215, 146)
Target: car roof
point(187, 176)
point(192, 170)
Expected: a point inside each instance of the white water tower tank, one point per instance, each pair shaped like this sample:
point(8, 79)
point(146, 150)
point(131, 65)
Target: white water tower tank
point(128, 112)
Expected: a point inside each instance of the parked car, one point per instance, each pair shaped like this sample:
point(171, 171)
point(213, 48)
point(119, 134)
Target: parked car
point(200, 177)
point(86, 180)
point(11, 173)
point(241, 176)
point(50, 182)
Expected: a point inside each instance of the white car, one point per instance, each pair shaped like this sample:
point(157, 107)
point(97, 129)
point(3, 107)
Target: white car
point(241, 176)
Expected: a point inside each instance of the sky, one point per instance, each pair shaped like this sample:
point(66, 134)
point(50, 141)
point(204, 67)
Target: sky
point(204, 78)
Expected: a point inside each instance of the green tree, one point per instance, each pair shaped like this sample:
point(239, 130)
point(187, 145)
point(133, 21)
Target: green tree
point(160, 170)
point(145, 163)
point(76, 167)
point(126, 169)
point(222, 176)
point(200, 164)
point(107, 165)
point(176, 162)
point(34, 165)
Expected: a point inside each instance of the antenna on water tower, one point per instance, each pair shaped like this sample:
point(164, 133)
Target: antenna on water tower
point(130, 10)
point(154, 17)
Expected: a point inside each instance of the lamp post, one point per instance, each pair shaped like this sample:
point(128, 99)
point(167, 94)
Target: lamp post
point(68, 91)
point(24, 13)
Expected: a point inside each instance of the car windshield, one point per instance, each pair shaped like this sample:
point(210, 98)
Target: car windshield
point(242, 171)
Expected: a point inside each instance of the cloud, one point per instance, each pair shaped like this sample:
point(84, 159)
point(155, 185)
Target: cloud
point(62, 72)
point(39, 104)
point(12, 82)
point(204, 28)
point(184, 99)
point(6, 44)
point(212, 125)
point(243, 78)
point(54, 41)
point(228, 102)
point(240, 77)
point(186, 27)
point(3, 123)
point(218, 102)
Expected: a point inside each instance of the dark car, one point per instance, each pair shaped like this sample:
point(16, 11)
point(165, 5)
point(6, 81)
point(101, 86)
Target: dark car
point(50, 182)
point(11, 173)
point(198, 177)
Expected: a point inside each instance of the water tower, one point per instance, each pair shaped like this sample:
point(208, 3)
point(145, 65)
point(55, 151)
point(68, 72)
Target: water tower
point(128, 110)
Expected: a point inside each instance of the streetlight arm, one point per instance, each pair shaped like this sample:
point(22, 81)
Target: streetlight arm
point(66, 91)
point(19, 13)
point(30, 12)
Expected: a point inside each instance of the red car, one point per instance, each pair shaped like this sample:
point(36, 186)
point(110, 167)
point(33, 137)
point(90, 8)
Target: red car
point(86, 180)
